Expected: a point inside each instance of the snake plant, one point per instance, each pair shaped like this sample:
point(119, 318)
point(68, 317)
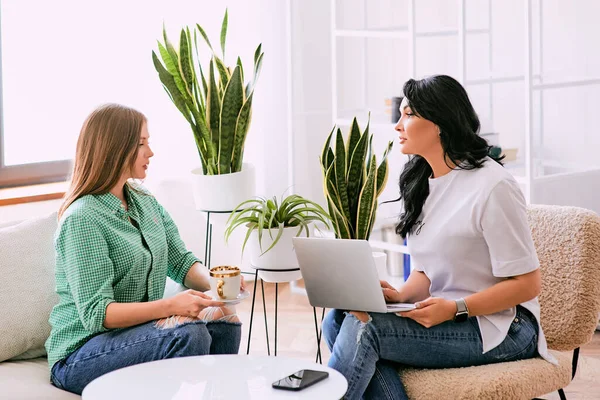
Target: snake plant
point(353, 181)
point(218, 106)
point(262, 214)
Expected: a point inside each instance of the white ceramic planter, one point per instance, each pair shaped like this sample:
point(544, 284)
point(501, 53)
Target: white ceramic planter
point(223, 192)
point(281, 256)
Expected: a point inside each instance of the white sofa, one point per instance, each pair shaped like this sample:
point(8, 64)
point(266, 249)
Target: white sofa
point(26, 299)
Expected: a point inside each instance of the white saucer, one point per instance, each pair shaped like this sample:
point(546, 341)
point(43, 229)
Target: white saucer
point(241, 296)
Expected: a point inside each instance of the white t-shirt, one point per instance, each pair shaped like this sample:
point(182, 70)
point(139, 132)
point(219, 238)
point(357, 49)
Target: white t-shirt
point(473, 233)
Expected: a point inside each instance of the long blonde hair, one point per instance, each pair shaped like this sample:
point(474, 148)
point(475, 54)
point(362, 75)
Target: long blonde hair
point(106, 147)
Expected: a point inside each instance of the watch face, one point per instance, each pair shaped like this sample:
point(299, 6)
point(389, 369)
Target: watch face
point(461, 317)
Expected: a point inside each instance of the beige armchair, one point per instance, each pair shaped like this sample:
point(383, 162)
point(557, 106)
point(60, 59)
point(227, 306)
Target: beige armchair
point(567, 240)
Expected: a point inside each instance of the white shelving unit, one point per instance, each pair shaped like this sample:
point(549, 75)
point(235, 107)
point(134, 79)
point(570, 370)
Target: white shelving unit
point(543, 180)
point(539, 177)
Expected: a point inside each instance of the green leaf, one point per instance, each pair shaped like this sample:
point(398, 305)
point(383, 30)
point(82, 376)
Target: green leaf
point(204, 36)
point(382, 170)
point(279, 233)
point(241, 132)
point(257, 69)
point(224, 33)
point(169, 83)
point(339, 222)
point(353, 138)
point(213, 108)
point(367, 203)
point(326, 148)
point(239, 64)
point(224, 74)
point(356, 171)
point(233, 100)
point(172, 67)
point(185, 63)
point(257, 53)
point(340, 173)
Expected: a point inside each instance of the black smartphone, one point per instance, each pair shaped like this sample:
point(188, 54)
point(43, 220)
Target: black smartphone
point(300, 379)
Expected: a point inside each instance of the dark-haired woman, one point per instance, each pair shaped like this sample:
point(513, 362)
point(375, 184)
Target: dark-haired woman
point(476, 274)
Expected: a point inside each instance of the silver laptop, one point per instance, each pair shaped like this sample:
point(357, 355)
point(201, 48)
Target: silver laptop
point(341, 273)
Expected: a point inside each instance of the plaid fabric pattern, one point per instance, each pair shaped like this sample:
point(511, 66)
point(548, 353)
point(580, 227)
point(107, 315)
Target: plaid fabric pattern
point(102, 257)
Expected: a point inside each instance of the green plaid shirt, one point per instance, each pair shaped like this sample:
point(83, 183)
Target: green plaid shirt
point(102, 257)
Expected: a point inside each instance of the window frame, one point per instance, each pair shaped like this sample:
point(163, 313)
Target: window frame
point(26, 174)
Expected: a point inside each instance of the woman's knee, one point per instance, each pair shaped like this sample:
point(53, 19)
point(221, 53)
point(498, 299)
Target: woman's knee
point(191, 339)
point(226, 314)
point(331, 325)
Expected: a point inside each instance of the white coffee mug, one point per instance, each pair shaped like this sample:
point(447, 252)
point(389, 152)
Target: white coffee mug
point(225, 282)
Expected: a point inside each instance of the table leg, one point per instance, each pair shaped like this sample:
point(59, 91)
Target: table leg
point(276, 291)
point(265, 312)
point(206, 245)
point(252, 312)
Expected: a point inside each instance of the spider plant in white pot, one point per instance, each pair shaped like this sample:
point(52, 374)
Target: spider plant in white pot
point(270, 226)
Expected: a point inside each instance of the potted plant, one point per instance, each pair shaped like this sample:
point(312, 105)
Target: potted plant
point(352, 183)
point(217, 103)
point(270, 226)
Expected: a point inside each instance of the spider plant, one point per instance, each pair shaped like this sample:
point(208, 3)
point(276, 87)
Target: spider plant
point(273, 216)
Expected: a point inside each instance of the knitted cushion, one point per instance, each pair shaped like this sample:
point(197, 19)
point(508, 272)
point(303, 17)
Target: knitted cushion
point(27, 290)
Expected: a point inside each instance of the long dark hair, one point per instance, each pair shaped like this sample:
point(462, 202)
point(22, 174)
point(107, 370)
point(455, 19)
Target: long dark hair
point(443, 101)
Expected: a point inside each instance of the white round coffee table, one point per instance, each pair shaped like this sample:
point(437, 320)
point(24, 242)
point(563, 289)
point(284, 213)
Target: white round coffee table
point(212, 377)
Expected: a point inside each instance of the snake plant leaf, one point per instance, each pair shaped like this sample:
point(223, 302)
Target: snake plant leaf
point(257, 69)
point(257, 53)
point(169, 83)
point(241, 132)
point(204, 36)
point(224, 33)
point(196, 92)
point(233, 100)
point(171, 67)
point(382, 170)
point(335, 207)
point(239, 63)
point(340, 173)
point(356, 173)
point(326, 149)
point(353, 137)
point(331, 191)
point(367, 203)
point(224, 74)
point(369, 153)
point(185, 65)
point(213, 107)
point(204, 85)
point(341, 224)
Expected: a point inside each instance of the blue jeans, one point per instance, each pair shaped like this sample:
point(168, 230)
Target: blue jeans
point(369, 354)
point(143, 343)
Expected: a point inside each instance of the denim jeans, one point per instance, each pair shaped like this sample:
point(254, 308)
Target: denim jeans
point(369, 354)
point(143, 343)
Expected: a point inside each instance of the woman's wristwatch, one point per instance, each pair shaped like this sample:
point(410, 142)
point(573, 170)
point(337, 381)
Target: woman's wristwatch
point(462, 311)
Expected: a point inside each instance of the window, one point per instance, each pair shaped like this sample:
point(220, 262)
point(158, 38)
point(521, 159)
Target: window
point(61, 59)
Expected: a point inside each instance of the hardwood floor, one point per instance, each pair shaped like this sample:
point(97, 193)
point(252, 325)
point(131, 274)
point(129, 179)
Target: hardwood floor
point(296, 337)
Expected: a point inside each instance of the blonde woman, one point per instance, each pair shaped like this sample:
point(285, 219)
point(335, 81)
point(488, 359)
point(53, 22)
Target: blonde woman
point(115, 246)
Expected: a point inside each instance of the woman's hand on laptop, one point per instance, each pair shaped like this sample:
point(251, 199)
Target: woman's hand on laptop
point(431, 312)
point(390, 293)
